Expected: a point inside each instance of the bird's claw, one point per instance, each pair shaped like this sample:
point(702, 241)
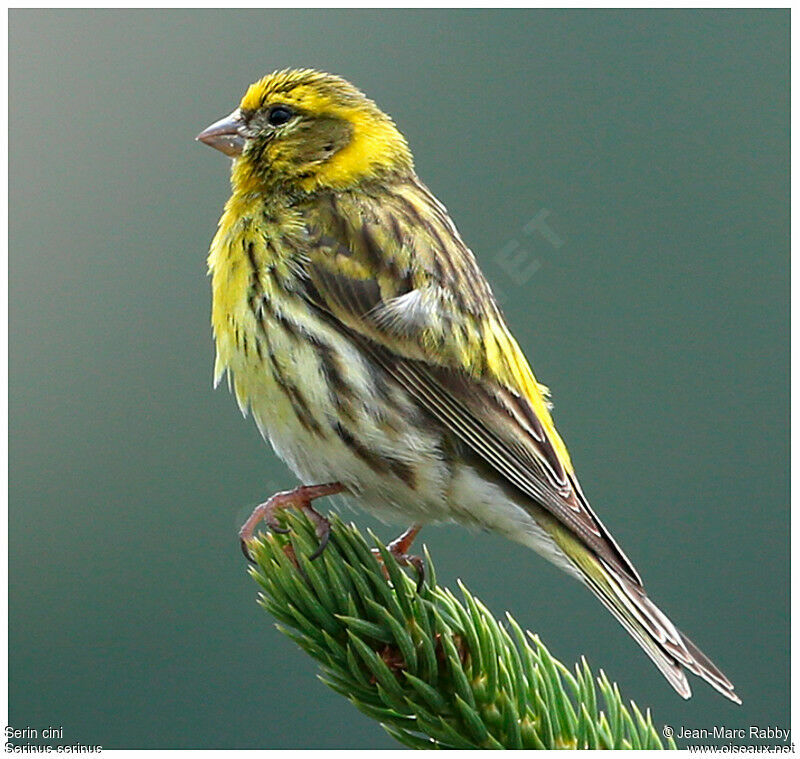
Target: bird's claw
point(300, 498)
point(323, 531)
point(246, 550)
point(404, 560)
point(419, 566)
point(398, 548)
point(274, 526)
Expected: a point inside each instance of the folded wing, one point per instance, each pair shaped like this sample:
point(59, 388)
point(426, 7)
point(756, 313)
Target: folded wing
point(436, 329)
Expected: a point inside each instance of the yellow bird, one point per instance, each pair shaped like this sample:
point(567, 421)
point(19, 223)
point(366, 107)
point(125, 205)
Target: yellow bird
point(359, 331)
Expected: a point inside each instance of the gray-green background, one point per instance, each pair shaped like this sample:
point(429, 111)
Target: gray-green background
point(658, 142)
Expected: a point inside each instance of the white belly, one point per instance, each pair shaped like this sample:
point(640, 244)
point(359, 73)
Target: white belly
point(358, 430)
point(369, 435)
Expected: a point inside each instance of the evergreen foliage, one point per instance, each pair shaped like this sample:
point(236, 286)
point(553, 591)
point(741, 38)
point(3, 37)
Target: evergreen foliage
point(436, 671)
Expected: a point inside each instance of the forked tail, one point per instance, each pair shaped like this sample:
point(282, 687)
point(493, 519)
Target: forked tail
point(669, 648)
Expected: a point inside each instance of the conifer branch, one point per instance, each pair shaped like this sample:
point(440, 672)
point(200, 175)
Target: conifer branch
point(435, 671)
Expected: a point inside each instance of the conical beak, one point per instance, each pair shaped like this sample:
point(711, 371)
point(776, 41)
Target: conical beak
point(225, 135)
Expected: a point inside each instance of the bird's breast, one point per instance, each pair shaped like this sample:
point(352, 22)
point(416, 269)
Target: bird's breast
point(329, 412)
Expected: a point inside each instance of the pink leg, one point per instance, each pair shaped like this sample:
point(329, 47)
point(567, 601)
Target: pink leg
point(399, 549)
point(299, 498)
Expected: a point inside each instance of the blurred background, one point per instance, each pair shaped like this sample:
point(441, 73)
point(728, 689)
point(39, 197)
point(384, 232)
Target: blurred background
point(623, 178)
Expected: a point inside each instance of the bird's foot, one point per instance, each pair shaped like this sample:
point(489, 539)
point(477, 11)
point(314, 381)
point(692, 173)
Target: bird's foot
point(299, 498)
point(399, 549)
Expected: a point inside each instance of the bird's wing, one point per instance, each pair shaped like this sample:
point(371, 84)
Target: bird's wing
point(393, 272)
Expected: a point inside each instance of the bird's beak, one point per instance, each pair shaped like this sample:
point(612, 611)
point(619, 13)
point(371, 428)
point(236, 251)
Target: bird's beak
point(225, 135)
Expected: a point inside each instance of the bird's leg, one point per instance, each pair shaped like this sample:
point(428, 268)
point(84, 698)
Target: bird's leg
point(299, 498)
point(399, 549)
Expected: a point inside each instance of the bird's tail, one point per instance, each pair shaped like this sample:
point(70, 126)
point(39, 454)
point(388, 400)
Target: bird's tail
point(669, 648)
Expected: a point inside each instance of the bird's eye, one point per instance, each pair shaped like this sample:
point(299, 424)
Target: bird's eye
point(279, 114)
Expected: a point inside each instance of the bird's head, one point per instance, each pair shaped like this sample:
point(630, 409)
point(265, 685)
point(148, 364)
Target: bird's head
point(305, 130)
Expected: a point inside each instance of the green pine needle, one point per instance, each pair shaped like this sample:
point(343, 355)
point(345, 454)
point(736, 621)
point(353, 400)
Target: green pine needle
point(435, 671)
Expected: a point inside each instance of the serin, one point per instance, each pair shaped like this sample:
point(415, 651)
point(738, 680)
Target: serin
point(358, 329)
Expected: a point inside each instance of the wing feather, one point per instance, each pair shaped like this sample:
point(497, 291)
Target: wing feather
point(421, 327)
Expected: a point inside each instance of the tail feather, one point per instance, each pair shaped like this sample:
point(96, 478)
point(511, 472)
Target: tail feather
point(666, 663)
point(669, 649)
point(703, 667)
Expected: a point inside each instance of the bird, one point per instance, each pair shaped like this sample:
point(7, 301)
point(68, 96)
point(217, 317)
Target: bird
point(355, 325)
